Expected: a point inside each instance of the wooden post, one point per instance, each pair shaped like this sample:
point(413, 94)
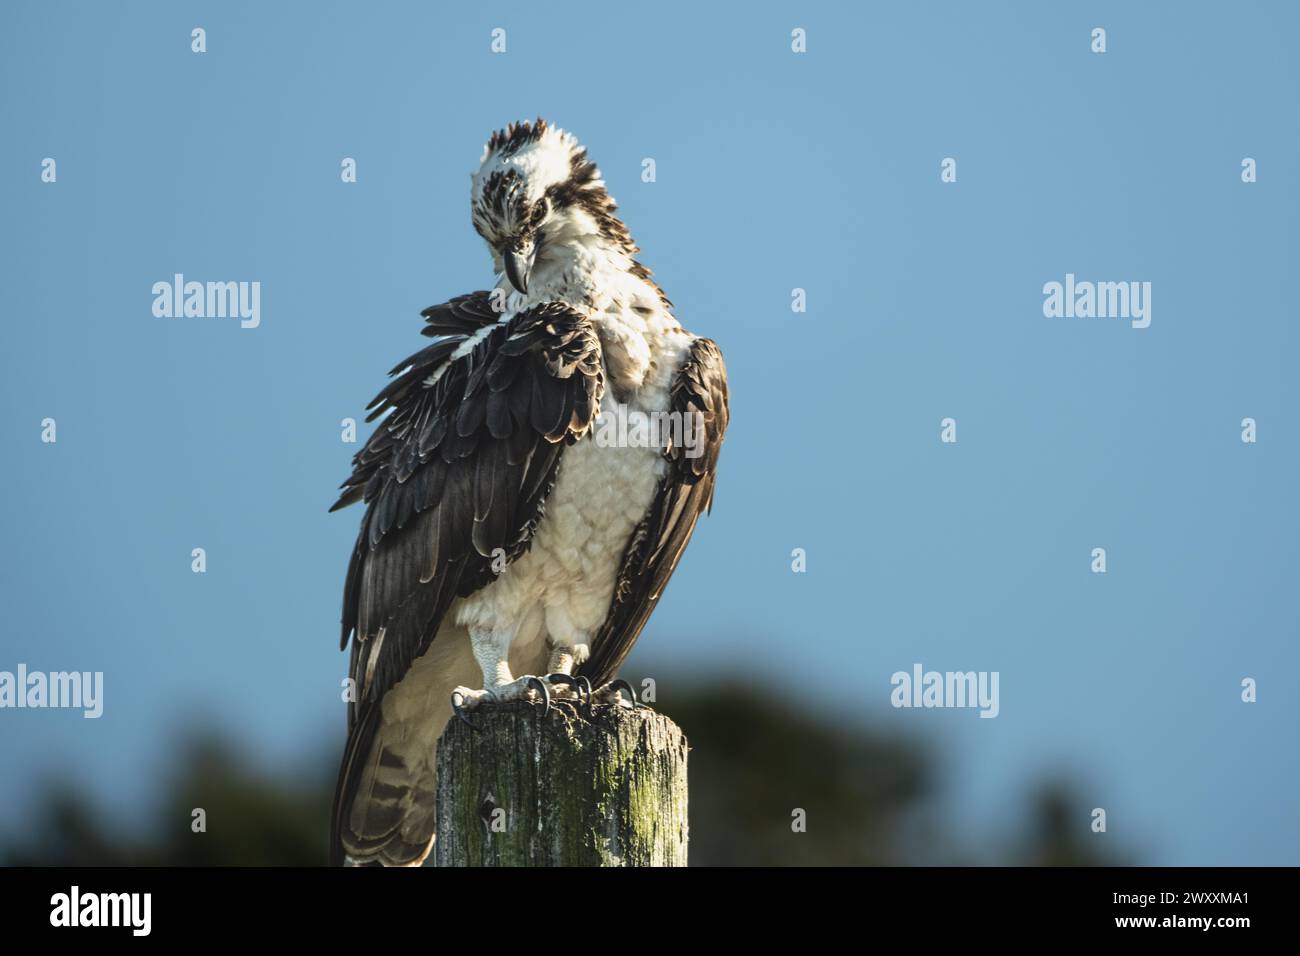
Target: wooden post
point(517, 791)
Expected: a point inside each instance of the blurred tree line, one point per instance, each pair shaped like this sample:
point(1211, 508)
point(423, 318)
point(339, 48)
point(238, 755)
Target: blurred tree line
point(870, 798)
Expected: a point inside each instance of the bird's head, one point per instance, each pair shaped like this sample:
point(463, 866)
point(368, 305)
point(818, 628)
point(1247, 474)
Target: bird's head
point(536, 193)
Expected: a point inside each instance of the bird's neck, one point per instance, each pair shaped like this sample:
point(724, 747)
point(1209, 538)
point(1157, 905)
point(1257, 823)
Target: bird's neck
point(640, 337)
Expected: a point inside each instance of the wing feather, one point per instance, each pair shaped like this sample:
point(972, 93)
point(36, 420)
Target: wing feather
point(457, 470)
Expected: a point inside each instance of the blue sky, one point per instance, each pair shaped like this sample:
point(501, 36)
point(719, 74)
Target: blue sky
point(774, 171)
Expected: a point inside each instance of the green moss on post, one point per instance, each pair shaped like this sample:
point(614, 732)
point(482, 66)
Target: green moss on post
point(609, 791)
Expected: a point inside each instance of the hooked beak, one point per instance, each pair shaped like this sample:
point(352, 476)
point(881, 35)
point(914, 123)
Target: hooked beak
point(519, 263)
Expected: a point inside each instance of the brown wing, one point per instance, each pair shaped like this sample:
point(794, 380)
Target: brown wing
point(456, 474)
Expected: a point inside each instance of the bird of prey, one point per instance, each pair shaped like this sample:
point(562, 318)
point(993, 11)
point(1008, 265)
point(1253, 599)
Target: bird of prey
point(505, 551)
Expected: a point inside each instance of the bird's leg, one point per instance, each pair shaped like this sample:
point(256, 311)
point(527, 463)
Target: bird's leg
point(491, 649)
point(565, 657)
point(562, 660)
point(560, 665)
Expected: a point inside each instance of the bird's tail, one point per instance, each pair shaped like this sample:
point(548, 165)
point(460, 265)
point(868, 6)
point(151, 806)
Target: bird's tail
point(383, 807)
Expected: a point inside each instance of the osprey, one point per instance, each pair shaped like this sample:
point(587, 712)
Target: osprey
point(504, 550)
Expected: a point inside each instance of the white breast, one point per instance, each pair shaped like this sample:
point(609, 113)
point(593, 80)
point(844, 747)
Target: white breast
point(564, 585)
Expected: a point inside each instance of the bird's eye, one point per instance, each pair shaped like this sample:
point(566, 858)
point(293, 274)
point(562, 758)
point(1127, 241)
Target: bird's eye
point(539, 212)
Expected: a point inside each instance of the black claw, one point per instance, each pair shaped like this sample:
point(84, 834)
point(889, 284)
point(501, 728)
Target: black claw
point(619, 685)
point(544, 691)
point(568, 680)
point(584, 696)
point(458, 708)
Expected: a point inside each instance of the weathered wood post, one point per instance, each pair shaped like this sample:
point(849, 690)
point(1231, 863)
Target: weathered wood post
point(567, 791)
